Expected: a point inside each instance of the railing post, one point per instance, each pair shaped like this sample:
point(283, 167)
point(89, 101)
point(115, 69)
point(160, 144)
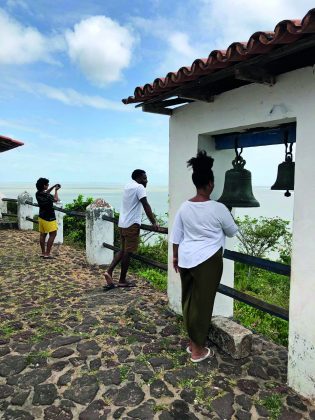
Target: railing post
point(3, 205)
point(99, 231)
point(59, 219)
point(24, 210)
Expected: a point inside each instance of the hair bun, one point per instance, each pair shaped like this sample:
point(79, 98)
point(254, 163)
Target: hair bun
point(201, 162)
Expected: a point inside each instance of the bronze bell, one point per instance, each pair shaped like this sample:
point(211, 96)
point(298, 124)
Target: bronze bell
point(237, 191)
point(285, 177)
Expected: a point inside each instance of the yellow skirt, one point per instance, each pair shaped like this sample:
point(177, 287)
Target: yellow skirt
point(46, 227)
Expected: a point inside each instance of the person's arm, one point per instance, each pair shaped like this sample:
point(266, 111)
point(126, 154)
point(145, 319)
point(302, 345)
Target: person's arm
point(56, 198)
point(175, 257)
point(228, 224)
point(176, 238)
point(148, 211)
point(50, 189)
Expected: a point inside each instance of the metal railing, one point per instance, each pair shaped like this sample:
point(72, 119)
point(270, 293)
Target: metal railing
point(261, 263)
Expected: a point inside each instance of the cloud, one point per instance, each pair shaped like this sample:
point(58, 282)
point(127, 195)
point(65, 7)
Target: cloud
point(70, 96)
point(175, 48)
point(17, 3)
point(227, 21)
point(101, 48)
point(22, 45)
point(216, 24)
point(180, 52)
point(75, 98)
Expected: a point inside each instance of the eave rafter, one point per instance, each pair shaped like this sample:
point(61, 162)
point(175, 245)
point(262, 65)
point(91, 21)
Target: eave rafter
point(254, 70)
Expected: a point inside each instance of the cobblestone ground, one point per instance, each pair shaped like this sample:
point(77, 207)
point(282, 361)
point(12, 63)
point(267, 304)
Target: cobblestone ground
point(70, 351)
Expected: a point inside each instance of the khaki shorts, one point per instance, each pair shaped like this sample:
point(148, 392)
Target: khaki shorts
point(130, 238)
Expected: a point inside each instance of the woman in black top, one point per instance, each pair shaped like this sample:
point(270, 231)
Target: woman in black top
point(47, 218)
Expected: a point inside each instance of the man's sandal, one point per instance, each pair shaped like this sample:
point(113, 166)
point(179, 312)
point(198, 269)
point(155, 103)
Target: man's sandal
point(126, 284)
point(109, 287)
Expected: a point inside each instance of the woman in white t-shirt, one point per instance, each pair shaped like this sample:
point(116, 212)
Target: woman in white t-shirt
point(198, 238)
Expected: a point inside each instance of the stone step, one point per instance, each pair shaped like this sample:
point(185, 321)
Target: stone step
point(232, 338)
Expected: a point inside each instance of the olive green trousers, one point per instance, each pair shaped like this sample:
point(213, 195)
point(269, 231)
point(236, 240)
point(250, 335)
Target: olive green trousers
point(199, 287)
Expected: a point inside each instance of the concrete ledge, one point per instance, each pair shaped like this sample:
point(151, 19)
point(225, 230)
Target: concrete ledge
point(232, 338)
point(5, 224)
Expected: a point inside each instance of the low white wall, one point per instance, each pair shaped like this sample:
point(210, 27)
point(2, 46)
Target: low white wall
point(24, 210)
point(59, 219)
point(290, 99)
point(3, 205)
point(99, 231)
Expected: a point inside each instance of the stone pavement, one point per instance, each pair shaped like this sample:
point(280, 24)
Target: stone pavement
point(70, 351)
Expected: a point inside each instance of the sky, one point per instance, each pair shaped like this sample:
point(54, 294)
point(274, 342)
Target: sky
point(65, 65)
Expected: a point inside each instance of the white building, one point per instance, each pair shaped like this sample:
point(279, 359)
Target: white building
point(268, 83)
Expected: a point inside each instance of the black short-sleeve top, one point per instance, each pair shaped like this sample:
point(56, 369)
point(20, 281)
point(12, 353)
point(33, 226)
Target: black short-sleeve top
point(46, 202)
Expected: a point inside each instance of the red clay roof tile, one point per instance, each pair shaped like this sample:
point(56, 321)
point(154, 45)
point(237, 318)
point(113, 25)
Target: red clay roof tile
point(261, 42)
point(6, 143)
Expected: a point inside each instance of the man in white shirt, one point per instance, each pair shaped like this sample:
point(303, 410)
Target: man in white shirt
point(134, 198)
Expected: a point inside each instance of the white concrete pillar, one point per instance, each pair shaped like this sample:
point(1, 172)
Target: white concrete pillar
point(99, 231)
point(3, 205)
point(301, 363)
point(223, 305)
point(24, 210)
point(181, 189)
point(59, 219)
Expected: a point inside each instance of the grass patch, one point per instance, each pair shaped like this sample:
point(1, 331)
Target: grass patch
point(160, 407)
point(6, 331)
point(131, 339)
point(124, 372)
point(270, 287)
point(273, 403)
point(35, 355)
point(157, 278)
point(44, 331)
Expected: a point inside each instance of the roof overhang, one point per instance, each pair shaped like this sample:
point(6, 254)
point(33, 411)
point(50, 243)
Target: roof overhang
point(260, 69)
point(264, 57)
point(6, 143)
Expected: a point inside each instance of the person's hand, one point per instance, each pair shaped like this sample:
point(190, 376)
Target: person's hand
point(57, 187)
point(175, 264)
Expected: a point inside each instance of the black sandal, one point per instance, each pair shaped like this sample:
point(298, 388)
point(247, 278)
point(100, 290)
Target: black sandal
point(109, 287)
point(127, 284)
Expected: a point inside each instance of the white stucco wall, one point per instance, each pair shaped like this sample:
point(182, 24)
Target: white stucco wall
point(3, 205)
point(59, 219)
point(292, 98)
point(99, 231)
point(24, 210)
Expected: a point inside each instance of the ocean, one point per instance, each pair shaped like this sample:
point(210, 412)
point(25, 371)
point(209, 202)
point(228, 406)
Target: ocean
point(272, 203)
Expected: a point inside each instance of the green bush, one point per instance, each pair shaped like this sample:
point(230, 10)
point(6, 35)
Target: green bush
point(74, 227)
point(269, 287)
point(12, 207)
point(156, 277)
point(156, 252)
point(270, 326)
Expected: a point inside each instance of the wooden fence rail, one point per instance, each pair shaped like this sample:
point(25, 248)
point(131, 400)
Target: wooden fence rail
point(225, 290)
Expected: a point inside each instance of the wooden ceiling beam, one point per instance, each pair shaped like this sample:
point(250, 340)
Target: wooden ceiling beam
point(156, 109)
point(197, 97)
point(255, 74)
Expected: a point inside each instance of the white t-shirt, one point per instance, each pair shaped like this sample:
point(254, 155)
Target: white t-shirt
point(131, 208)
point(200, 229)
